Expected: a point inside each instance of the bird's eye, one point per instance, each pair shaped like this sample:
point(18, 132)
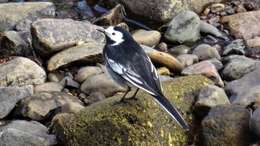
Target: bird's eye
point(113, 33)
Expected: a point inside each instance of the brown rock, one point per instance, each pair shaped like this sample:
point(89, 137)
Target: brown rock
point(148, 38)
point(244, 25)
point(205, 68)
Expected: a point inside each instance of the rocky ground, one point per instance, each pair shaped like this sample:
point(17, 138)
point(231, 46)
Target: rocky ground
point(54, 90)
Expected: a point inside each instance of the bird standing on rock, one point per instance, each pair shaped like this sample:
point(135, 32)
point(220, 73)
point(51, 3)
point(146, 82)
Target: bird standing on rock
point(129, 66)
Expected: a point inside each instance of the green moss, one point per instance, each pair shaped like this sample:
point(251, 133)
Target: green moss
point(134, 123)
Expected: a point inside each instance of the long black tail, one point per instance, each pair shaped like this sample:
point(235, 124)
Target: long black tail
point(170, 109)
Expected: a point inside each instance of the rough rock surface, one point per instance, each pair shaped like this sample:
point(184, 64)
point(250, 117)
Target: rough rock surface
point(49, 35)
point(226, 126)
point(156, 10)
point(25, 133)
point(89, 52)
point(39, 105)
point(9, 96)
point(184, 28)
point(21, 71)
point(11, 14)
point(140, 122)
point(244, 25)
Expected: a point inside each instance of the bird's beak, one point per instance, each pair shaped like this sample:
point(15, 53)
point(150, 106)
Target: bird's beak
point(101, 30)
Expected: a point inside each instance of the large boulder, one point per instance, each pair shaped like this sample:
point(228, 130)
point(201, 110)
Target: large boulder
point(227, 126)
point(21, 71)
point(14, 14)
point(156, 10)
point(53, 35)
point(134, 122)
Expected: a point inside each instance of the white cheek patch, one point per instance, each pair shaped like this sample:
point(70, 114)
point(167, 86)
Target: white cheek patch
point(114, 35)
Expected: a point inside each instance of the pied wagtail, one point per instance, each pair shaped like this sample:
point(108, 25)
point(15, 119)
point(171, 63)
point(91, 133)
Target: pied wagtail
point(129, 66)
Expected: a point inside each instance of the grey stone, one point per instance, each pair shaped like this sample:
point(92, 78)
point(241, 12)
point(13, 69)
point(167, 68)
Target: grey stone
point(184, 28)
point(89, 52)
point(255, 122)
point(68, 81)
point(199, 5)
point(25, 133)
point(21, 71)
point(13, 13)
point(210, 29)
point(15, 43)
point(86, 72)
point(39, 105)
point(226, 126)
point(235, 47)
point(102, 83)
point(188, 59)
point(211, 96)
point(205, 51)
point(217, 63)
point(179, 50)
point(9, 96)
point(237, 66)
point(49, 35)
point(245, 90)
point(48, 86)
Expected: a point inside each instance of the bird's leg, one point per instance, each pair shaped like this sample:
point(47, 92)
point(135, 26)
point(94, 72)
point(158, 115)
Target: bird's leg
point(134, 95)
point(127, 91)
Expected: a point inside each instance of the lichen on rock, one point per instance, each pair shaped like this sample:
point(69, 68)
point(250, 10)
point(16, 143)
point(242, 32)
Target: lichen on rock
point(138, 122)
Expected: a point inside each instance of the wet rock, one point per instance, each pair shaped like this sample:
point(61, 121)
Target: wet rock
point(159, 11)
point(205, 51)
point(11, 14)
point(179, 50)
point(188, 59)
point(210, 29)
point(211, 96)
point(25, 133)
point(102, 83)
point(205, 68)
point(9, 96)
point(86, 72)
point(15, 43)
point(49, 35)
point(245, 91)
point(89, 52)
point(148, 38)
point(184, 28)
point(235, 47)
point(237, 66)
point(255, 122)
point(226, 126)
point(244, 25)
point(199, 5)
point(21, 71)
point(49, 87)
point(133, 120)
point(163, 59)
point(40, 105)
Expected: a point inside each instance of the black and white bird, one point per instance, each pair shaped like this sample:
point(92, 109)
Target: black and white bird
point(129, 66)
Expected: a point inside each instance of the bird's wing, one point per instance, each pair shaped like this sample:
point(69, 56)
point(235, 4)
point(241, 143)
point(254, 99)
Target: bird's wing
point(137, 69)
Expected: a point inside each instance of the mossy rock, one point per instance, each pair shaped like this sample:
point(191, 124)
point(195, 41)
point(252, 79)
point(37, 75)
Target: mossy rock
point(135, 123)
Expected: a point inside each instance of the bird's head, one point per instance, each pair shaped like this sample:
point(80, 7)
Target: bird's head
point(115, 35)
